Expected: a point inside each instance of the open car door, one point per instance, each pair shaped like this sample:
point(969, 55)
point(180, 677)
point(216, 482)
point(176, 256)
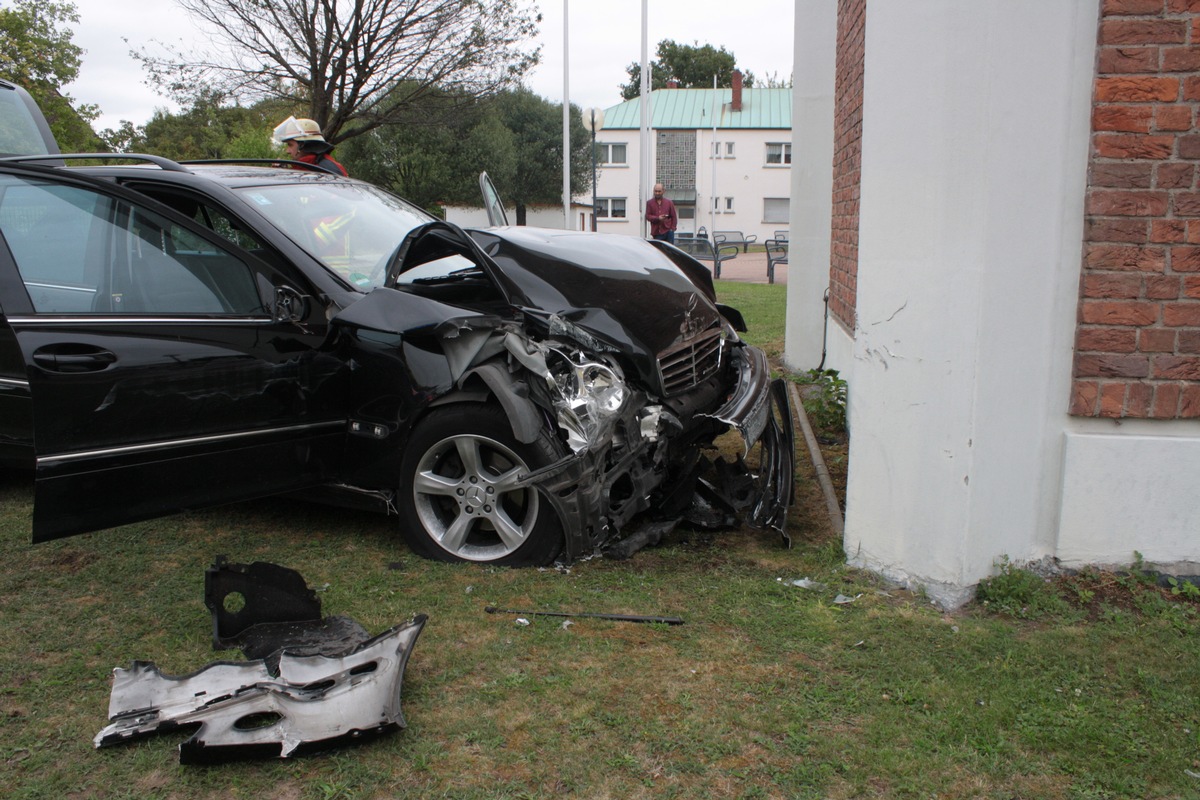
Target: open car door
point(497, 216)
point(168, 369)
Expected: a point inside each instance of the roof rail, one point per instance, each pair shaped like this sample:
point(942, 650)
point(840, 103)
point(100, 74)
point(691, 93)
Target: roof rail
point(285, 163)
point(165, 163)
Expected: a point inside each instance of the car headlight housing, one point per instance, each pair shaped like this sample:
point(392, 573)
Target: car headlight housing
point(591, 397)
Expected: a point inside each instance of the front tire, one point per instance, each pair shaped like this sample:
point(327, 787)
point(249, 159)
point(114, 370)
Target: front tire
point(458, 498)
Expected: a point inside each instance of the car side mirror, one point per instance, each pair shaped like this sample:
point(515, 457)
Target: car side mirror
point(290, 305)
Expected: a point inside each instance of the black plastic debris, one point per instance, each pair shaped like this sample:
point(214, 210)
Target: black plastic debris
point(262, 608)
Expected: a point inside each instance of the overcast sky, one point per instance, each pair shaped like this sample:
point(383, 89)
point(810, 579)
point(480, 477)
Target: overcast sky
point(605, 37)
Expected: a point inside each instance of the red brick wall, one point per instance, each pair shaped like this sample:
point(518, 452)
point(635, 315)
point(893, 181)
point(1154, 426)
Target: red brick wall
point(1137, 347)
point(847, 159)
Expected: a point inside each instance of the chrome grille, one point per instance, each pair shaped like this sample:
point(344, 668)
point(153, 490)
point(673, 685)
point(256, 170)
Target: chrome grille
point(690, 363)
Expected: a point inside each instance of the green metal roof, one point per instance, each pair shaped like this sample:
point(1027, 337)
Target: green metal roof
point(689, 109)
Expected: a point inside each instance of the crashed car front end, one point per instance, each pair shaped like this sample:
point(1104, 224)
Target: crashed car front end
point(635, 454)
point(612, 347)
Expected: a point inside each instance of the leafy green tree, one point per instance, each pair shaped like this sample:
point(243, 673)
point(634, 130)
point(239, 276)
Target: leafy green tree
point(536, 125)
point(37, 53)
point(418, 156)
point(209, 128)
point(351, 66)
point(125, 138)
point(772, 81)
point(434, 158)
point(692, 66)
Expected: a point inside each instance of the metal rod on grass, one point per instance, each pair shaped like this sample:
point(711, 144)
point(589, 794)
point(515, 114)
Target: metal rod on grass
point(616, 617)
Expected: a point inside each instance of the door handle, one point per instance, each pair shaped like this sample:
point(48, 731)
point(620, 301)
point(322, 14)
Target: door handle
point(73, 358)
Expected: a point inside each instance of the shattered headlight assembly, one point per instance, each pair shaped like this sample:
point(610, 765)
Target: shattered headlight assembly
point(592, 396)
point(601, 388)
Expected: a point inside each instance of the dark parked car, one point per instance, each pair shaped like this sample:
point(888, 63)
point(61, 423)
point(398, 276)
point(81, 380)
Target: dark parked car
point(174, 336)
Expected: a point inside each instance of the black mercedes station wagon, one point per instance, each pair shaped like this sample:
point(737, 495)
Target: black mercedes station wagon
point(175, 336)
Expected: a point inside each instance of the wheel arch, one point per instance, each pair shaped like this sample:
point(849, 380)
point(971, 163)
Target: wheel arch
point(487, 381)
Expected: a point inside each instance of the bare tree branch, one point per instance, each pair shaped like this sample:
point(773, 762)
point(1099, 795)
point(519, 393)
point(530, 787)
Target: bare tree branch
point(353, 65)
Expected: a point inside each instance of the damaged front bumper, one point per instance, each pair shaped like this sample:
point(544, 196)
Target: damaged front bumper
point(760, 410)
point(313, 683)
point(597, 491)
point(243, 711)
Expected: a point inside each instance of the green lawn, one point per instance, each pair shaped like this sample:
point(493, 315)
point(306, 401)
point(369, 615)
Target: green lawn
point(764, 305)
point(769, 690)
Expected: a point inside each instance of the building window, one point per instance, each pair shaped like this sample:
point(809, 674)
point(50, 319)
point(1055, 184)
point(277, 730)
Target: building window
point(777, 210)
point(722, 150)
point(779, 153)
point(610, 208)
point(611, 154)
point(722, 205)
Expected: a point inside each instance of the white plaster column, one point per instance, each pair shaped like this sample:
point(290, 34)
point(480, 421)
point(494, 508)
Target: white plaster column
point(975, 142)
point(812, 180)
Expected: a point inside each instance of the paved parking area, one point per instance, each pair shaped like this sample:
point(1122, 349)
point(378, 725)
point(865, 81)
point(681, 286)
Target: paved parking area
point(751, 268)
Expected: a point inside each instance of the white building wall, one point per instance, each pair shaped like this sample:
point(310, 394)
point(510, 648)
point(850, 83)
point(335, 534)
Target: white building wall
point(1131, 487)
point(815, 54)
point(970, 242)
point(621, 181)
point(746, 178)
point(970, 231)
point(535, 216)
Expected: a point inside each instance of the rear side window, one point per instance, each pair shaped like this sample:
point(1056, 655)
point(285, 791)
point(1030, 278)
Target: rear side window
point(22, 130)
point(82, 252)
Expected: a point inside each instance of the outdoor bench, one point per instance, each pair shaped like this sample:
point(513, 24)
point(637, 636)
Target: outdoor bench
point(735, 238)
point(704, 250)
point(777, 253)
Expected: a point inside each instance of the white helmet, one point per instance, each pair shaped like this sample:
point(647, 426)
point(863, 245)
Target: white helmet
point(300, 130)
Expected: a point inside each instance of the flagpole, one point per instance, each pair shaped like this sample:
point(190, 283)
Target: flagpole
point(566, 119)
point(644, 182)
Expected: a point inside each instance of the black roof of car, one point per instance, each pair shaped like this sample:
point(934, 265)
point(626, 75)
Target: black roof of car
point(233, 172)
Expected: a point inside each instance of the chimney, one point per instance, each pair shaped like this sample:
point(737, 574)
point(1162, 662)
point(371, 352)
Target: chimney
point(672, 84)
point(737, 91)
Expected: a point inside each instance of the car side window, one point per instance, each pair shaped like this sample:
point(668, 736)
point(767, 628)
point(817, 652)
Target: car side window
point(47, 231)
point(82, 252)
point(202, 213)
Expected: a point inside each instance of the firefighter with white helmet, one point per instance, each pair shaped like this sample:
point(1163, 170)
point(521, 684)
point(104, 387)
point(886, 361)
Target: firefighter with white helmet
point(304, 142)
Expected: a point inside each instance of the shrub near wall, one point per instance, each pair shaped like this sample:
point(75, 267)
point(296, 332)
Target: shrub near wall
point(1138, 340)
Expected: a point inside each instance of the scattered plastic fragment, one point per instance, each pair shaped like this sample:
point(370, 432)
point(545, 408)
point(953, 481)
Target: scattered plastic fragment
point(805, 583)
point(522, 621)
point(567, 624)
point(842, 599)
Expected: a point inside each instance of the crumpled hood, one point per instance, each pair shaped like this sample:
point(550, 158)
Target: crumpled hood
point(624, 290)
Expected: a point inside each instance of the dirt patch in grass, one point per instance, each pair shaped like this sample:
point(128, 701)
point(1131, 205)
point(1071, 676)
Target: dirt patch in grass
point(1096, 593)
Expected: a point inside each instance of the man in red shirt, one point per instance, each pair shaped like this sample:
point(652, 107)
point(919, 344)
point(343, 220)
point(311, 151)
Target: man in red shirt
point(661, 214)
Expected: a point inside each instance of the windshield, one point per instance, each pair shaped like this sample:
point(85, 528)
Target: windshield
point(351, 228)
